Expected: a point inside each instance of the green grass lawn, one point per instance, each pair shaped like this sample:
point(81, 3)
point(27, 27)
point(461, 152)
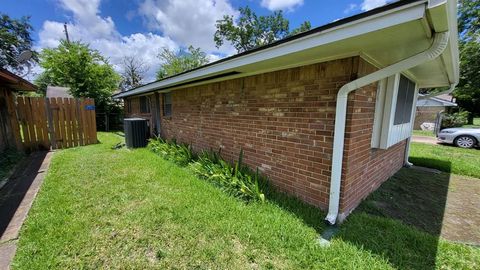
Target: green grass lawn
point(476, 123)
point(446, 158)
point(130, 209)
point(428, 133)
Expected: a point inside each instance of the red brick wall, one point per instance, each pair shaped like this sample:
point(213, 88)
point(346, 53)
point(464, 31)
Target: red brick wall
point(364, 168)
point(284, 122)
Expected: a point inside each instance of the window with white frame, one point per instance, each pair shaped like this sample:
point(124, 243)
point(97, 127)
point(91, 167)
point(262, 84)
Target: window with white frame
point(394, 111)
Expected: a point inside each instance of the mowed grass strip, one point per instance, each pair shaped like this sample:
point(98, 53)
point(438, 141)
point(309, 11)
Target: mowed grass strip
point(130, 209)
point(426, 133)
point(446, 158)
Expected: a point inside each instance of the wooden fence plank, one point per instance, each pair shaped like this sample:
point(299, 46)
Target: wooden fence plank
point(46, 131)
point(22, 120)
point(61, 123)
point(33, 109)
point(86, 122)
point(12, 114)
point(73, 119)
point(43, 123)
point(42, 120)
point(68, 123)
point(71, 111)
point(93, 126)
point(51, 124)
point(38, 122)
point(55, 109)
point(79, 121)
point(30, 123)
point(90, 123)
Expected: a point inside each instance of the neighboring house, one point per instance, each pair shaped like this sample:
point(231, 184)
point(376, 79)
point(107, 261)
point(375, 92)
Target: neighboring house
point(58, 92)
point(286, 105)
point(10, 84)
point(428, 108)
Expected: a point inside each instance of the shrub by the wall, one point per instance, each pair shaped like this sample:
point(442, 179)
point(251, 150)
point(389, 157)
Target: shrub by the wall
point(237, 180)
point(457, 119)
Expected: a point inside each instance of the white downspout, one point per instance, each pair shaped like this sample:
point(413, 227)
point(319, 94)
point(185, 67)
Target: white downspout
point(407, 163)
point(439, 44)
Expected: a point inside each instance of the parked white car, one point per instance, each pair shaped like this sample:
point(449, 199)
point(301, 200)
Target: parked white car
point(461, 137)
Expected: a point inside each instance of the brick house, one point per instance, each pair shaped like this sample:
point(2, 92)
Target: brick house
point(326, 114)
point(428, 108)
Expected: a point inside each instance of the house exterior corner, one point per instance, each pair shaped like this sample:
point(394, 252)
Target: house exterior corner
point(284, 122)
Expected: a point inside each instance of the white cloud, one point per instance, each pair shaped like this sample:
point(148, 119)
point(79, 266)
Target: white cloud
point(371, 4)
point(188, 22)
point(352, 7)
point(100, 32)
point(281, 4)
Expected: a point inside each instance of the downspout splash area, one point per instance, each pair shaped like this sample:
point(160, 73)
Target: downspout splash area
point(440, 42)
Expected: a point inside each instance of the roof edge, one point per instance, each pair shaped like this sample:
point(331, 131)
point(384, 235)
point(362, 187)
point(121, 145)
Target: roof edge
point(299, 36)
point(14, 79)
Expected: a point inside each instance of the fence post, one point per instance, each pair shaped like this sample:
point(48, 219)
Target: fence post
point(53, 140)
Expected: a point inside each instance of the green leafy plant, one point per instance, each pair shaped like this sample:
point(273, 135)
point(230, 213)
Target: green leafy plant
point(237, 180)
point(181, 154)
point(457, 119)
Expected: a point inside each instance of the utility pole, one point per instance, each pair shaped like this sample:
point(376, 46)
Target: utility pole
point(66, 32)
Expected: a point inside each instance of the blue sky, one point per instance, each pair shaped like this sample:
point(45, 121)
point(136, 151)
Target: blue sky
point(141, 28)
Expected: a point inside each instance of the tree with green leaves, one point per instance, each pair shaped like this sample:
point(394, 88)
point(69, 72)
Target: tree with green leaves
point(251, 31)
point(467, 92)
point(84, 70)
point(469, 18)
point(305, 26)
point(14, 39)
point(177, 62)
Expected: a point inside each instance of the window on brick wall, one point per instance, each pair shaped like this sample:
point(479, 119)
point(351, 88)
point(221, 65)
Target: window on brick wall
point(144, 104)
point(167, 104)
point(128, 105)
point(405, 96)
point(394, 111)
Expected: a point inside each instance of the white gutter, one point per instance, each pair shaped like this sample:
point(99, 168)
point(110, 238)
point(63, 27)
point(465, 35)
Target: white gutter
point(446, 92)
point(440, 42)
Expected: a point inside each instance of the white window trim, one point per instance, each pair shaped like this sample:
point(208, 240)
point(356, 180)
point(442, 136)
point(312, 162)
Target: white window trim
point(385, 133)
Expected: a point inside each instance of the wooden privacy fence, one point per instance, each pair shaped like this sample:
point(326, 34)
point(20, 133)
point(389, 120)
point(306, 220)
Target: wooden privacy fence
point(55, 122)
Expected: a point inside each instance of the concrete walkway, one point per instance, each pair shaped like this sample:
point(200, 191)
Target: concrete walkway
point(461, 220)
point(16, 198)
point(424, 139)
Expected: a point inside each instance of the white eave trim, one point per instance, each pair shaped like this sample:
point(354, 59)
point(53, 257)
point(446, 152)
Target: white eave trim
point(423, 102)
point(389, 18)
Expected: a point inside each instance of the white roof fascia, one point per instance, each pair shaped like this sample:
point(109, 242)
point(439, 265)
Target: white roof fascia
point(439, 25)
point(444, 102)
point(434, 102)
